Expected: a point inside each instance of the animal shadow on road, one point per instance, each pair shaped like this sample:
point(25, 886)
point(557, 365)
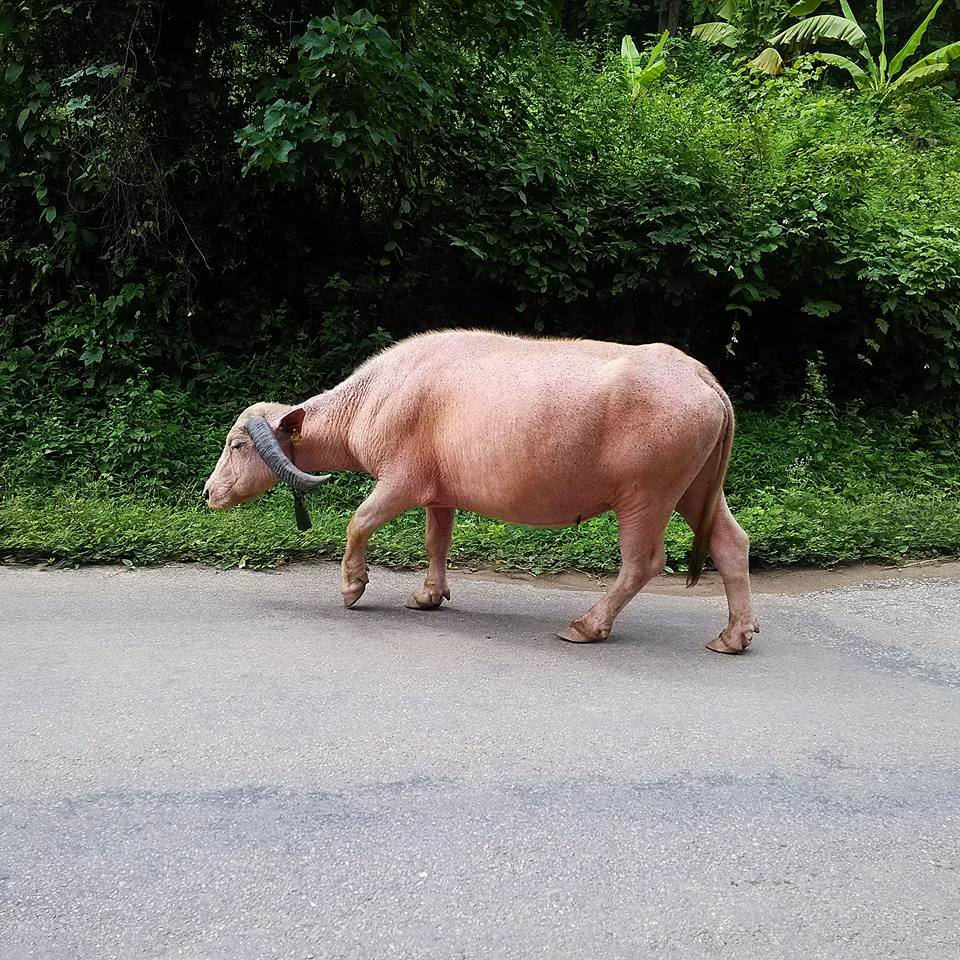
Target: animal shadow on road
point(644, 628)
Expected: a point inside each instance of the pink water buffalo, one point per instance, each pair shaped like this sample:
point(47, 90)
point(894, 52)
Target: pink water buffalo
point(538, 432)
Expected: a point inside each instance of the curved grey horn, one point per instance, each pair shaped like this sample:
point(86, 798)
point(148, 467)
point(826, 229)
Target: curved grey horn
point(265, 440)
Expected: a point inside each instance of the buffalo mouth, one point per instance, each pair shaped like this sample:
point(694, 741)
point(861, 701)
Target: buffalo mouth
point(221, 499)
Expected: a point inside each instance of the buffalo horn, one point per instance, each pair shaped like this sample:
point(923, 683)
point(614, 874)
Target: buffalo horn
point(265, 440)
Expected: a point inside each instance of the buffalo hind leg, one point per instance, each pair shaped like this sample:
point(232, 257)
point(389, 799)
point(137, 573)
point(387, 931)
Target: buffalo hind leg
point(380, 507)
point(437, 538)
point(729, 548)
point(642, 558)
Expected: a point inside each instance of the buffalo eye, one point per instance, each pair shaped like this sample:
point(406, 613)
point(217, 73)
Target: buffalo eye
point(237, 444)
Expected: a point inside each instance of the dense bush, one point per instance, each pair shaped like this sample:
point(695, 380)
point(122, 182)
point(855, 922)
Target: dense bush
point(204, 203)
point(454, 167)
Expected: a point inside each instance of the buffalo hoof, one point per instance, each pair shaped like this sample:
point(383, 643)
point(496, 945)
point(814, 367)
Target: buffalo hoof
point(574, 634)
point(427, 598)
point(733, 641)
point(352, 593)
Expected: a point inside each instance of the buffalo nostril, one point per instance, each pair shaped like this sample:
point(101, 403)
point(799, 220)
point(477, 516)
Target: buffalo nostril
point(206, 494)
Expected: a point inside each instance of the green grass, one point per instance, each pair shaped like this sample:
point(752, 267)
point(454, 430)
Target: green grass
point(810, 484)
point(786, 527)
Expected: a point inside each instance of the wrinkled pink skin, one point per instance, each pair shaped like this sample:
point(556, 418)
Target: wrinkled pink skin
point(538, 432)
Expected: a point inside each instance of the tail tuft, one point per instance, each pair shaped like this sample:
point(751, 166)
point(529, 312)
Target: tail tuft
point(698, 557)
point(701, 536)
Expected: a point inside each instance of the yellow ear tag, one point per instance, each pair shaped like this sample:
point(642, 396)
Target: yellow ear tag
point(295, 439)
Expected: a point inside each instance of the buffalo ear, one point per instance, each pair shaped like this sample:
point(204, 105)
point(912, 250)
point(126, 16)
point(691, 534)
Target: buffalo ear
point(292, 422)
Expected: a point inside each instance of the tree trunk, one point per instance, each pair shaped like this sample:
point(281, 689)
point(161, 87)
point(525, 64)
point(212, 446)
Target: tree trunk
point(670, 15)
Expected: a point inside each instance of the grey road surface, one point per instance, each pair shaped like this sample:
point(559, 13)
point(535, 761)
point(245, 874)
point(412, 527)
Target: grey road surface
point(224, 765)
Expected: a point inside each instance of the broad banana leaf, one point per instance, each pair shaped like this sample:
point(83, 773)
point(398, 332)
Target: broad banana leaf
point(883, 39)
point(658, 49)
point(919, 76)
point(805, 7)
point(648, 76)
point(820, 28)
point(716, 32)
point(642, 76)
point(860, 77)
point(911, 45)
point(769, 61)
point(943, 54)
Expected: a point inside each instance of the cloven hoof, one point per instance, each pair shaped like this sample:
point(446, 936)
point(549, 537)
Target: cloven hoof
point(724, 644)
point(424, 599)
point(353, 593)
point(572, 635)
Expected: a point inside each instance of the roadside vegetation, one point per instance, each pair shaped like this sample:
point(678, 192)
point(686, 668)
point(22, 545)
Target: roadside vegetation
point(810, 483)
point(203, 206)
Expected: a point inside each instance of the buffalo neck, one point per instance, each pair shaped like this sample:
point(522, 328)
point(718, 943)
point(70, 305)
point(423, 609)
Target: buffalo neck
point(325, 432)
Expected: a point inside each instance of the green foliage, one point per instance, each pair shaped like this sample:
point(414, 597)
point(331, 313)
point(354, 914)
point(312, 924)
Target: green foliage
point(795, 527)
point(202, 205)
point(887, 81)
point(811, 484)
point(642, 72)
point(816, 29)
point(714, 191)
point(746, 25)
point(814, 481)
point(354, 100)
point(408, 167)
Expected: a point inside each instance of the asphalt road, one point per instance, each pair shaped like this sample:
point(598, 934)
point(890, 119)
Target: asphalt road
point(198, 764)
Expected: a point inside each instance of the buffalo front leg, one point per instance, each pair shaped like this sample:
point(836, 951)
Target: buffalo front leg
point(438, 533)
point(642, 556)
point(379, 508)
